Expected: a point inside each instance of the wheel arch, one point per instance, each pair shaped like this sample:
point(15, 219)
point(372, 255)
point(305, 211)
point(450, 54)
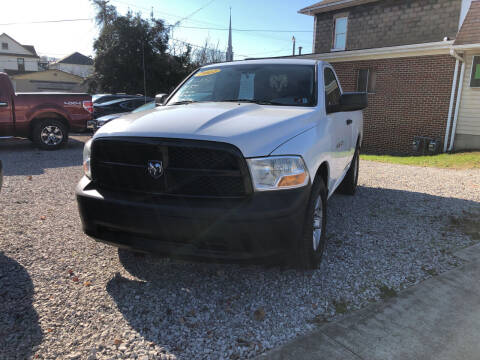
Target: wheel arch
point(323, 172)
point(45, 116)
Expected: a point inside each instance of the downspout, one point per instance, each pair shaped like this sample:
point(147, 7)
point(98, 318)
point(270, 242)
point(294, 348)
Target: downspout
point(450, 107)
point(459, 97)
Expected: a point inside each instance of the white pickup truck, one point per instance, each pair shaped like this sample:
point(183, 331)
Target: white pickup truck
point(237, 164)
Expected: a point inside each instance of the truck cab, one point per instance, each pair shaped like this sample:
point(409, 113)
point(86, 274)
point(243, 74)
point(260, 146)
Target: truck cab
point(45, 118)
point(238, 164)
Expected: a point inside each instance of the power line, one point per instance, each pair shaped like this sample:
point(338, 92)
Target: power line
point(193, 13)
point(164, 12)
point(46, 21)
point(179, 21)
point(245, 30)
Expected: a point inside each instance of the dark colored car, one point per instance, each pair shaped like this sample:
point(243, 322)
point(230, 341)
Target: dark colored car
point(98, 123)
point(119, 106)
point(43, 117)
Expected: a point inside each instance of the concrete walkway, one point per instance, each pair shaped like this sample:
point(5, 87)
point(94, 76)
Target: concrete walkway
point(436, 319)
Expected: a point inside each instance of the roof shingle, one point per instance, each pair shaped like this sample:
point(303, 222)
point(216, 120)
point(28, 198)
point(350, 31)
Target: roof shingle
point(470, 31)
point(330, 5)
point(77, 59)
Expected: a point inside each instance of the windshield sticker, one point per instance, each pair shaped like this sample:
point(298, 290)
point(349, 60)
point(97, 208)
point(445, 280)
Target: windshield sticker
point(208, 72)
point(278, 82)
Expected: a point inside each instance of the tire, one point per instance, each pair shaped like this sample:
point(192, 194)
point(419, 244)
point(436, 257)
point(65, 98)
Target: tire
point(50, 134)
point(313, 241)
point(349, 183)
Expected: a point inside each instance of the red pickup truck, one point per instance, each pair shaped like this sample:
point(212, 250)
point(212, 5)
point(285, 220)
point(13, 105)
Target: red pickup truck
point(44, 118)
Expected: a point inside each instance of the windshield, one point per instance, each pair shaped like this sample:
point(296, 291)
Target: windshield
point(287, 85)
point(147, 106)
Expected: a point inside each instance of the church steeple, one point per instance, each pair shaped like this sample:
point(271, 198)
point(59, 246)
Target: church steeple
point(230, 48)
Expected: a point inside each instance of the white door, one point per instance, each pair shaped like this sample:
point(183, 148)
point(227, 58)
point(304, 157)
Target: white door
point(340, 127)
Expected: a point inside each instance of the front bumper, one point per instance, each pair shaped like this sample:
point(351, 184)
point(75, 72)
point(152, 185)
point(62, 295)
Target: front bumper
point(262, 225)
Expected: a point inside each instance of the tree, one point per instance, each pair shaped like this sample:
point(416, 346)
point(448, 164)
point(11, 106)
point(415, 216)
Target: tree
point(207, 54)
point(127, 43)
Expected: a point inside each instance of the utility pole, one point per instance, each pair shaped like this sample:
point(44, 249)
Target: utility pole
point(144, 74)
point(293, 39)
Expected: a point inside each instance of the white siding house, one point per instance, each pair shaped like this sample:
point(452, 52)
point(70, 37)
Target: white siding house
point(467, 44)
point(15, 57)
point(76, 64)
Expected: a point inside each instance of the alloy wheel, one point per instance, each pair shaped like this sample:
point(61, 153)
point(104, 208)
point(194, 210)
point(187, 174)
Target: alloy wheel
point(51, 135)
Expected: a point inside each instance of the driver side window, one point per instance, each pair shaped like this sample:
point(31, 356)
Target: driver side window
point(332, 90)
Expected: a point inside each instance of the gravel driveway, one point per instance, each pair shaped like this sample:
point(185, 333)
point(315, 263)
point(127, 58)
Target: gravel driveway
point(62, 295)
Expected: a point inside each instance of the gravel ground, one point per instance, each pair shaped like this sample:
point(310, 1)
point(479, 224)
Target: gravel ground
point(62, 295)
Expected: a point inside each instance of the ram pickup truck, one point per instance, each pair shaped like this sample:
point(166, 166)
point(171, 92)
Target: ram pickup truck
point(237, 165)
point(44, 118)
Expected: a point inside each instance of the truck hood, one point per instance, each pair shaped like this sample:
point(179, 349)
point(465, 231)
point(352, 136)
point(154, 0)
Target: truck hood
point(256, 130)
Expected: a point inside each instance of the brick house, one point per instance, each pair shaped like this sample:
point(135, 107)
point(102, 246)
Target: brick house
point(416, 59)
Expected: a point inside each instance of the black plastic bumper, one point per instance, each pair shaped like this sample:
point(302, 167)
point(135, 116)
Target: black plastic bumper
point(262, 225)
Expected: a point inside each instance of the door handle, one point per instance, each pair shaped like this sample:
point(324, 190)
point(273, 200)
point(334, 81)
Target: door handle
point(349, 121)
point(3, 103)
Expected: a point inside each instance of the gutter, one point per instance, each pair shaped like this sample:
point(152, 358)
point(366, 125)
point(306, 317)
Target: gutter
point(452, 97)
point(459, 97)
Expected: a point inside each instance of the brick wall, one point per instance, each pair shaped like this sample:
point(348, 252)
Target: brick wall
point(411, 99)
point(391, 23)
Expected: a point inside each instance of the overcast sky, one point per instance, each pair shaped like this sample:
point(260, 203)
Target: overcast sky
point(60, 39)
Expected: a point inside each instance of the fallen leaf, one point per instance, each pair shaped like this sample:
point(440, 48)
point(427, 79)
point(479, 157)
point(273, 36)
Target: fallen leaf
point(29, 177)
point(75, 279)
point(70, 272)
point(49, 330)
point(87, 283)
point(259, 314)
point(43, 217)
point(117, 341)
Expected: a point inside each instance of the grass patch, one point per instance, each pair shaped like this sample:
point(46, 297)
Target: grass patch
point(387, 292)
point(340, 307)
point(467, 160)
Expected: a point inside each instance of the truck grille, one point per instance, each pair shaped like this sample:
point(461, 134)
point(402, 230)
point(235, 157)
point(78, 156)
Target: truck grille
point(190, 168)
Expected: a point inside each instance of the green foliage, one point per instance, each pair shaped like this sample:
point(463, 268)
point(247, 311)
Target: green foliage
point(341, 307)
point(467, 160)
point(387, 292)
point(124, 44)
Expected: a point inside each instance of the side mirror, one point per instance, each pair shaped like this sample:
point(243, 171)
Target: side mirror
point(160, 99)
point(352, 101)
point(349, 101)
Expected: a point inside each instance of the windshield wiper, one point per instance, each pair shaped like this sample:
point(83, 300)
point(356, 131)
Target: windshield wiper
point(254, 101)
point(183, 102)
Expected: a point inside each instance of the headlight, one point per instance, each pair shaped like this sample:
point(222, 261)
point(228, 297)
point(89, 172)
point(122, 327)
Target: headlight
point(279, 172)
point(86, 159)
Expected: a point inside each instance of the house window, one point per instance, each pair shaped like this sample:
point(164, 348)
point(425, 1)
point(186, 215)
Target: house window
point(4, 46)
point(21, 64)
point(340, 34)
point(475, 77)
point(366, 80)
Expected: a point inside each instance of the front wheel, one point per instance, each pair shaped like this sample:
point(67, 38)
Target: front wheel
point(313, 240)
point(50, 134)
